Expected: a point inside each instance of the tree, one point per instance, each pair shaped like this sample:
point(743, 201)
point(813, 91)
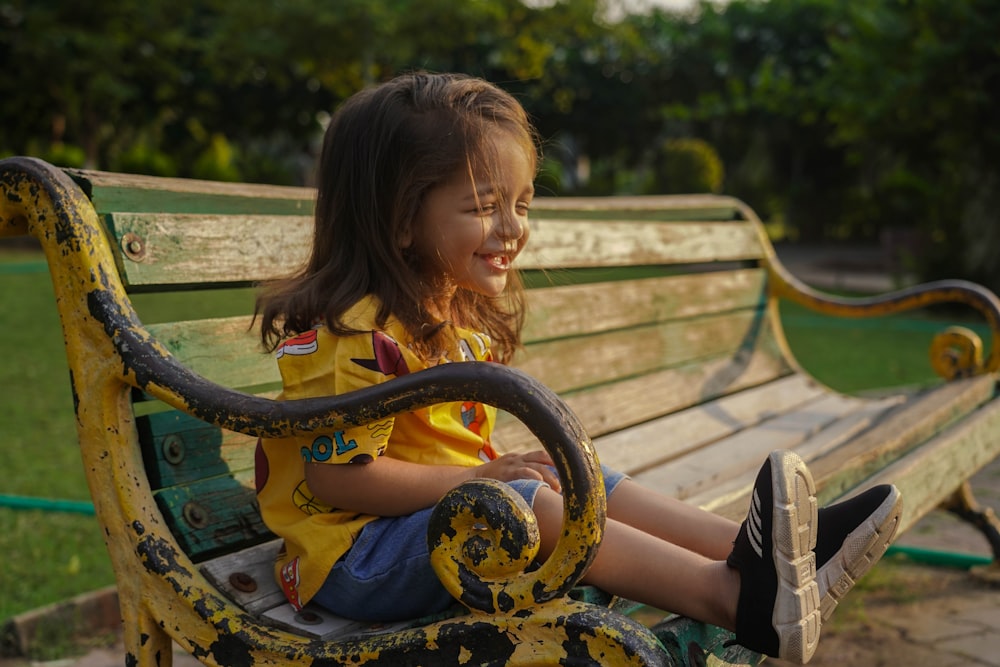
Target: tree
point(913, 99)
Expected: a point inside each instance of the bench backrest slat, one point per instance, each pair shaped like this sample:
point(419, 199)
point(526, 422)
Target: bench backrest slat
point(214, 515)
point(569, 364)
point(221, 349)
point(160, 250)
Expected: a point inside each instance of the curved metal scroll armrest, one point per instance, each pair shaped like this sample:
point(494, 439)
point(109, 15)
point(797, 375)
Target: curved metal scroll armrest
point(39, 199)
point(954, 353)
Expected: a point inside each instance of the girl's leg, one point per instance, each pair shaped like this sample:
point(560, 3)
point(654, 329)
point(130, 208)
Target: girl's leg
point(642, 567)
point(672, 520)
point(851, 536)
point(767, 594)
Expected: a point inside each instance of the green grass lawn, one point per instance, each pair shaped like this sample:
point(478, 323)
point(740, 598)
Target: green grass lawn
point(52, 556)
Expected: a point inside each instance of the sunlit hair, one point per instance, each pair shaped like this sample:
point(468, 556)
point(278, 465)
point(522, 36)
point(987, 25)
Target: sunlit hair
point(385, 148)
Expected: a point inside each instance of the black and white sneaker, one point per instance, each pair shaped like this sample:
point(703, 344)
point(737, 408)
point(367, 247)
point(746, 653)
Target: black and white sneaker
point(778, 612)
point(852, 536)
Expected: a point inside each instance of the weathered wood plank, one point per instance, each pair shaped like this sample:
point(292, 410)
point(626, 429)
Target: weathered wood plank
point(224, 350)
point(693, 207)
point(138, 193)
point(718, 462)
point(731, 499)
point(135, 193)
point(326, 626)
point(179, 249)
point(585, 361)
point(556, 312)
point(218, 348)
point(214, 515)
point(889, 435)
point(660, 441)
point(900, 430)
point(252, 569)
point(930, 474)
point(586, 243)
point(180, 449)
point(629, 401)
point(247, 578)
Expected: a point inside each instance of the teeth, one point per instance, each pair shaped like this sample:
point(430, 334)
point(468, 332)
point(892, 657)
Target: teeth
point(499, 261)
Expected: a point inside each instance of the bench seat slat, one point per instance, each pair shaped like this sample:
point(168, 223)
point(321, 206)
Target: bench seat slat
point(729, 498)
point(929, 472)
point(917, 420)
point(253, 565)
point(719, 461)
point(892, 434)
point(659, 441)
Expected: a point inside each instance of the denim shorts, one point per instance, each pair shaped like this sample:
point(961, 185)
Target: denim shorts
point(387, 574)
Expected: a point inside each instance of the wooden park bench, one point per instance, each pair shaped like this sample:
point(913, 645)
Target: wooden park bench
point(653, 321)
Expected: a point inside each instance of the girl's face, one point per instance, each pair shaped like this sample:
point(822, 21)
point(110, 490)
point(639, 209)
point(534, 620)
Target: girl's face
point(470, 228)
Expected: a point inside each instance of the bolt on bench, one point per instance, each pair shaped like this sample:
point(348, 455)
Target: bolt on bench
point(654, 336)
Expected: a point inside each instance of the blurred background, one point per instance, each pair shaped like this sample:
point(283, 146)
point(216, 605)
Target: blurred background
point(863, 128)
point(868, 122)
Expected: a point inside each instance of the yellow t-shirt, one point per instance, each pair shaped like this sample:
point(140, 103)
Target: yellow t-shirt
point(318, 363)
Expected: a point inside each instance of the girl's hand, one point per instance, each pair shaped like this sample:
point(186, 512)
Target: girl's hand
point(530, 465)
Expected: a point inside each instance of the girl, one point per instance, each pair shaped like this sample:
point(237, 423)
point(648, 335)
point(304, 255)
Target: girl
point(425, 183)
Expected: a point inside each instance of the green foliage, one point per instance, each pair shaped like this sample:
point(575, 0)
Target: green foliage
point(140, 158)
point(815, 107)
point(64, 155)
point(215, 163)
point(686, 166)
point(915, 93)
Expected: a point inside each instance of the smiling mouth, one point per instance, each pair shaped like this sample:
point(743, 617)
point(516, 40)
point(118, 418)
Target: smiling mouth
point(497, 261)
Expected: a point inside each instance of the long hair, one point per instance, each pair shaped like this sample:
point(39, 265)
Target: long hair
point(384, 149)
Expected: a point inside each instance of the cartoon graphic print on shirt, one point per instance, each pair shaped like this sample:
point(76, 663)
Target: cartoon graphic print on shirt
point(473, 416)
point(261, 467)
point(468, 354)
point(388, 357)
point(300, 345)
point(303, 498)
point(289, 580)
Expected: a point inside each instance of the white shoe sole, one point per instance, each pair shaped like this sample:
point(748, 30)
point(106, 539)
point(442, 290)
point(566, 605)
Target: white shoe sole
point(796, 618)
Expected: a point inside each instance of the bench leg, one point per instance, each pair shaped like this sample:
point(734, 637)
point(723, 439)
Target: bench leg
point(145, 641)
point(963, 504)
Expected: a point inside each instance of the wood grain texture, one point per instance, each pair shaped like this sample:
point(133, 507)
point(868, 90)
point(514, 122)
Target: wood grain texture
point(183, 249)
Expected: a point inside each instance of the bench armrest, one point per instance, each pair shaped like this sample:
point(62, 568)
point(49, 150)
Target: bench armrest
point(956, 352)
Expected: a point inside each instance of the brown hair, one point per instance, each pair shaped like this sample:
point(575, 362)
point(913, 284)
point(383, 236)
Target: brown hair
point(384, 149)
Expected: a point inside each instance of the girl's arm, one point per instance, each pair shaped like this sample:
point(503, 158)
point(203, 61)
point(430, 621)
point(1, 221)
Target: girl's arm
point(390, 487)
